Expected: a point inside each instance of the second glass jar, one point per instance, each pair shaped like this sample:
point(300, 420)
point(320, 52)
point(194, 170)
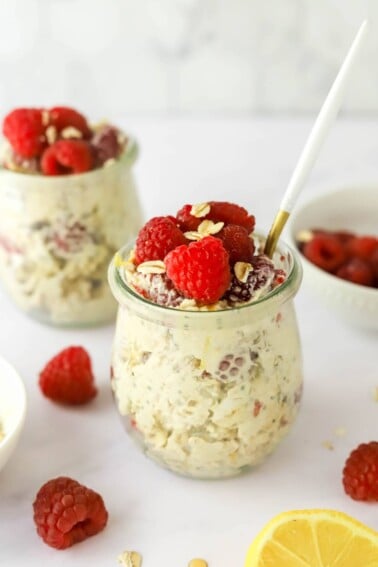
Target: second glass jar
point(58, 235)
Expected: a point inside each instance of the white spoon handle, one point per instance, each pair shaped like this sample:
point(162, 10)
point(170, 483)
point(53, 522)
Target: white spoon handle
point(324, 121)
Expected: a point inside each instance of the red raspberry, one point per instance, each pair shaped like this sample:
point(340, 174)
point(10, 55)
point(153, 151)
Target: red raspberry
point(356, 271)
point(106, 145)
point(360, 474)
point(362, 247)
point(344, 236)
point(186, 220)
point(325, 251)
point(66, 512)
point(201, 270)
point(239, 245)
point(220, 211)
point(158, 237)
point(25, 131)
point(67, 156)
point(62, 117)
point(374, 265)
point(229, 213)
point(67, 378)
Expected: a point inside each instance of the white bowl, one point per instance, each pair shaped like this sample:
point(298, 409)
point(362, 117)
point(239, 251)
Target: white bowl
point(12, 409)
point(353, 209)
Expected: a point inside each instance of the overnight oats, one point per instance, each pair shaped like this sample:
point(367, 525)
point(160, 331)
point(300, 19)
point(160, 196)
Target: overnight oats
point(206, 367)
point(67, 202)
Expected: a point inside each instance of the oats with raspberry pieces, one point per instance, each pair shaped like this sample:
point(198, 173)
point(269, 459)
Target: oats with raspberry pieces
point(195, 259)
point(58, 141)
point(66, 512)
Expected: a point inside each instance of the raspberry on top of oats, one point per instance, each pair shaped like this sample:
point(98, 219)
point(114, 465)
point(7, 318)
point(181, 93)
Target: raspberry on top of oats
point(205, 255)
point(66, 156)
point(57, 141)
point(201, 270)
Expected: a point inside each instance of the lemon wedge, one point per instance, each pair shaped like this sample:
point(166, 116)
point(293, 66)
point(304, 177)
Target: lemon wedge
point(314, 538)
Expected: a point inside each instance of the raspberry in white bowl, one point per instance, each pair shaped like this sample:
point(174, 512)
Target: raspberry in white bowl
point(206, 367)
point(68, 201)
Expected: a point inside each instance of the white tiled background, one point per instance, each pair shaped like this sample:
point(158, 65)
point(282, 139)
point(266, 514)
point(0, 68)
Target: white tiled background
point(132, 56)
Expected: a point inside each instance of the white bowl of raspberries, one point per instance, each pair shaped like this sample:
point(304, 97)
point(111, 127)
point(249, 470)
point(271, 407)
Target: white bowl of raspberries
point(337, 237)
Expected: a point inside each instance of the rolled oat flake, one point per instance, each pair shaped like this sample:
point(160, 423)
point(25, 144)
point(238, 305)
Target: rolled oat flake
point(130, 559)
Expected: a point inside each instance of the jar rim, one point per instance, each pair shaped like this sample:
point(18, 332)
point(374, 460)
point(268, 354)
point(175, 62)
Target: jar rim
point(122, 291)
point(127, 157)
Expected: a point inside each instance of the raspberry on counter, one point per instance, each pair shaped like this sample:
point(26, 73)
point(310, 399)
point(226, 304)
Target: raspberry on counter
point(360, 474)
point(67, 378)
point(66, 512)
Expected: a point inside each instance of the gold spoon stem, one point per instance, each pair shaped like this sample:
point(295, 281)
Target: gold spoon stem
point(275, 232)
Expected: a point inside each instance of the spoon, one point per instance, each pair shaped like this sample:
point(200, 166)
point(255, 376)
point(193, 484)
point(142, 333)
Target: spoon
point(324, 120)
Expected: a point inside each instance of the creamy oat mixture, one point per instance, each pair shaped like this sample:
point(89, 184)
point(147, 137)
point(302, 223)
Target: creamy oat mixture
point(208, 404)
point(2, 434)
point(57, 236)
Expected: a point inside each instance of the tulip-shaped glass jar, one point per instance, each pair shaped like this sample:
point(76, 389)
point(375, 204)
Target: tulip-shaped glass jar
point(208, 394)
point(58, 235)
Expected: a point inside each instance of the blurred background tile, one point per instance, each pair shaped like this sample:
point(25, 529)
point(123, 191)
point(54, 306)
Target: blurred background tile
point(173, 56)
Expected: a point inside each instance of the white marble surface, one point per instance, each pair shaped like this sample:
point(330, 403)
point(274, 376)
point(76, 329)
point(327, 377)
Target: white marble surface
point(167, 518)
point(183, 55)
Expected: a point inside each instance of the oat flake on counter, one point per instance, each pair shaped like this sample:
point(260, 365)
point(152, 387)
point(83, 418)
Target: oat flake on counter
point(375, 394)
point(328, 445)
point(130, 559)
point(340, 432)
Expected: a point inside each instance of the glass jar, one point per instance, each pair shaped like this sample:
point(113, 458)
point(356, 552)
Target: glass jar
point(208, 394)
point(58, 235)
